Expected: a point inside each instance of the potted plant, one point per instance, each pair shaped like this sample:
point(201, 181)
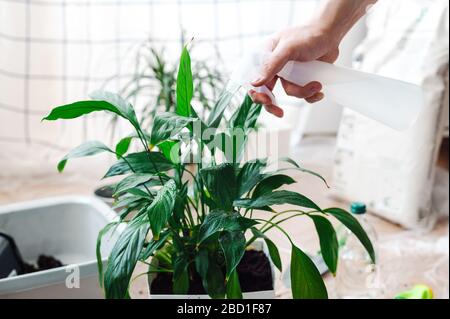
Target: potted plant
point(188, 226)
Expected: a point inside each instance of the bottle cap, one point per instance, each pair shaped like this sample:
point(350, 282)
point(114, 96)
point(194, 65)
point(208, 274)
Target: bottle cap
point(358, 208)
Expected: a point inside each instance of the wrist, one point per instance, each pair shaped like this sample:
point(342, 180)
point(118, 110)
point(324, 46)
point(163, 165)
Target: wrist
point(327, 33)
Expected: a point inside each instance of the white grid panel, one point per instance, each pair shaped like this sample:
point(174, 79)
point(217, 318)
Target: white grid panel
point(56, 51)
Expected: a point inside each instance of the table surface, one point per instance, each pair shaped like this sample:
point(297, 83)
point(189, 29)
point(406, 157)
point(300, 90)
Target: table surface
point(301, 230)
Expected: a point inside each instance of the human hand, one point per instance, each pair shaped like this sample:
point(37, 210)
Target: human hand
point(306, 43)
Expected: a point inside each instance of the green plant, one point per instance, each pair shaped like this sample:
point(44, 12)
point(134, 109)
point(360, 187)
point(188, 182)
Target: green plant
point(154, 83)
point(198, 213)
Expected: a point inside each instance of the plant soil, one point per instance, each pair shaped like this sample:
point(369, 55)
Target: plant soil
point(43, 263)
point(255, 274)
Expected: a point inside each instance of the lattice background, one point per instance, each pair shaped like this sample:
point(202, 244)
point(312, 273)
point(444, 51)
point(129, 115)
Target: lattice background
point(56, 51)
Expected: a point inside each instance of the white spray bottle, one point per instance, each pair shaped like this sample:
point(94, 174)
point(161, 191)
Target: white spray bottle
point(394, 103)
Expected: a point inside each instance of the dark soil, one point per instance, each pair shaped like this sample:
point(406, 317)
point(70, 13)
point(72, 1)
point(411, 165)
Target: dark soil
point(43, 263)
point(254, 272)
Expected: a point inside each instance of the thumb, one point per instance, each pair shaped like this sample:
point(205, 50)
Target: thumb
point(276, 61)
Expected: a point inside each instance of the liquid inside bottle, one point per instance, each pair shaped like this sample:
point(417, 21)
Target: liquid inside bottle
point(357, 277)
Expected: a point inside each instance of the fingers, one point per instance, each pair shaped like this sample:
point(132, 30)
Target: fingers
point(315, 98)
point(302, 92)
point(262, 98)
point(276, 61)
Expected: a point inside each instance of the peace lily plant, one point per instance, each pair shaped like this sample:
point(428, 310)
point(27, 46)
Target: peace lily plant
point(194, 222)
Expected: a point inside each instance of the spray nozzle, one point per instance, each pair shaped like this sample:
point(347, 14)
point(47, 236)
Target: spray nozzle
point(248, 69)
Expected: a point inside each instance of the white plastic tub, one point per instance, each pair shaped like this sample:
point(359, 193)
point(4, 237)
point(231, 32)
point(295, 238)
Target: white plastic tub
point(268, 294)
point(66, 228)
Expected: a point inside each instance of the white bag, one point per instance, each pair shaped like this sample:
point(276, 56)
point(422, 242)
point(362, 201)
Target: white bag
point(392, 171)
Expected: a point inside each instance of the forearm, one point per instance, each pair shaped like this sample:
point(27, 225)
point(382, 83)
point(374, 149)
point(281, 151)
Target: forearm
point(337, 17)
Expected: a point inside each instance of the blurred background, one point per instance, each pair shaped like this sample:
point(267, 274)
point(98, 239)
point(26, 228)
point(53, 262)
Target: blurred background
point(54, 52)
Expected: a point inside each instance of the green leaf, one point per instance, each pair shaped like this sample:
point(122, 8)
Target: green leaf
point(85, 149)
point(301, 169)
point(171, 150)
point(219, 220)
point(103, 101)
point(246, 115)
point(233, 286)
point(161, 208)
point(154, 245)
point(180, 276)
point(98, 251)
point(167, 125)
point(306, 281)
point(141, 163)
point(124, 108)
point(212, 277)
point(77, 109)
point(271, 183)
point(216, 114)
point(277, 198)
point(185, 86)
point(249, 175)
point(123, 258)
point(329, 245)
point(233, 247)
point(123, 146)
point(220, 181)
point(354, 226)
point(273, 250)
point(134, 180)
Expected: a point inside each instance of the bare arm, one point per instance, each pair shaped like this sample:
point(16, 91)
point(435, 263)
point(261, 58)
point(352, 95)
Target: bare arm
point(339, 16)
point(318, 40)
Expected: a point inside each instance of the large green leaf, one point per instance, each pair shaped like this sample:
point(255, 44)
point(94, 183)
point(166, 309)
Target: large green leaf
point(272, 248)
point(271, 183)
point(354, 226)
point(161, 208)
point(306, 281)
point(329, 245)
point(277, 198)
point(134, 180)
point(102, 101)
point(246, 115)
point(220, 181)
point(234, 286)
point(212, 277)
point(98, 251)
point(167, 125)
point(233, 247)
point(180, 275)
point(85, 149)
point(185, 86)
point(249, 175)
point(125, 109)
point(123, 258)
point(218, 220)
point(142, 162)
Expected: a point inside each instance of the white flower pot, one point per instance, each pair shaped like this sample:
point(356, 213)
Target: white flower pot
point(66, 228)
point(268, 294)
